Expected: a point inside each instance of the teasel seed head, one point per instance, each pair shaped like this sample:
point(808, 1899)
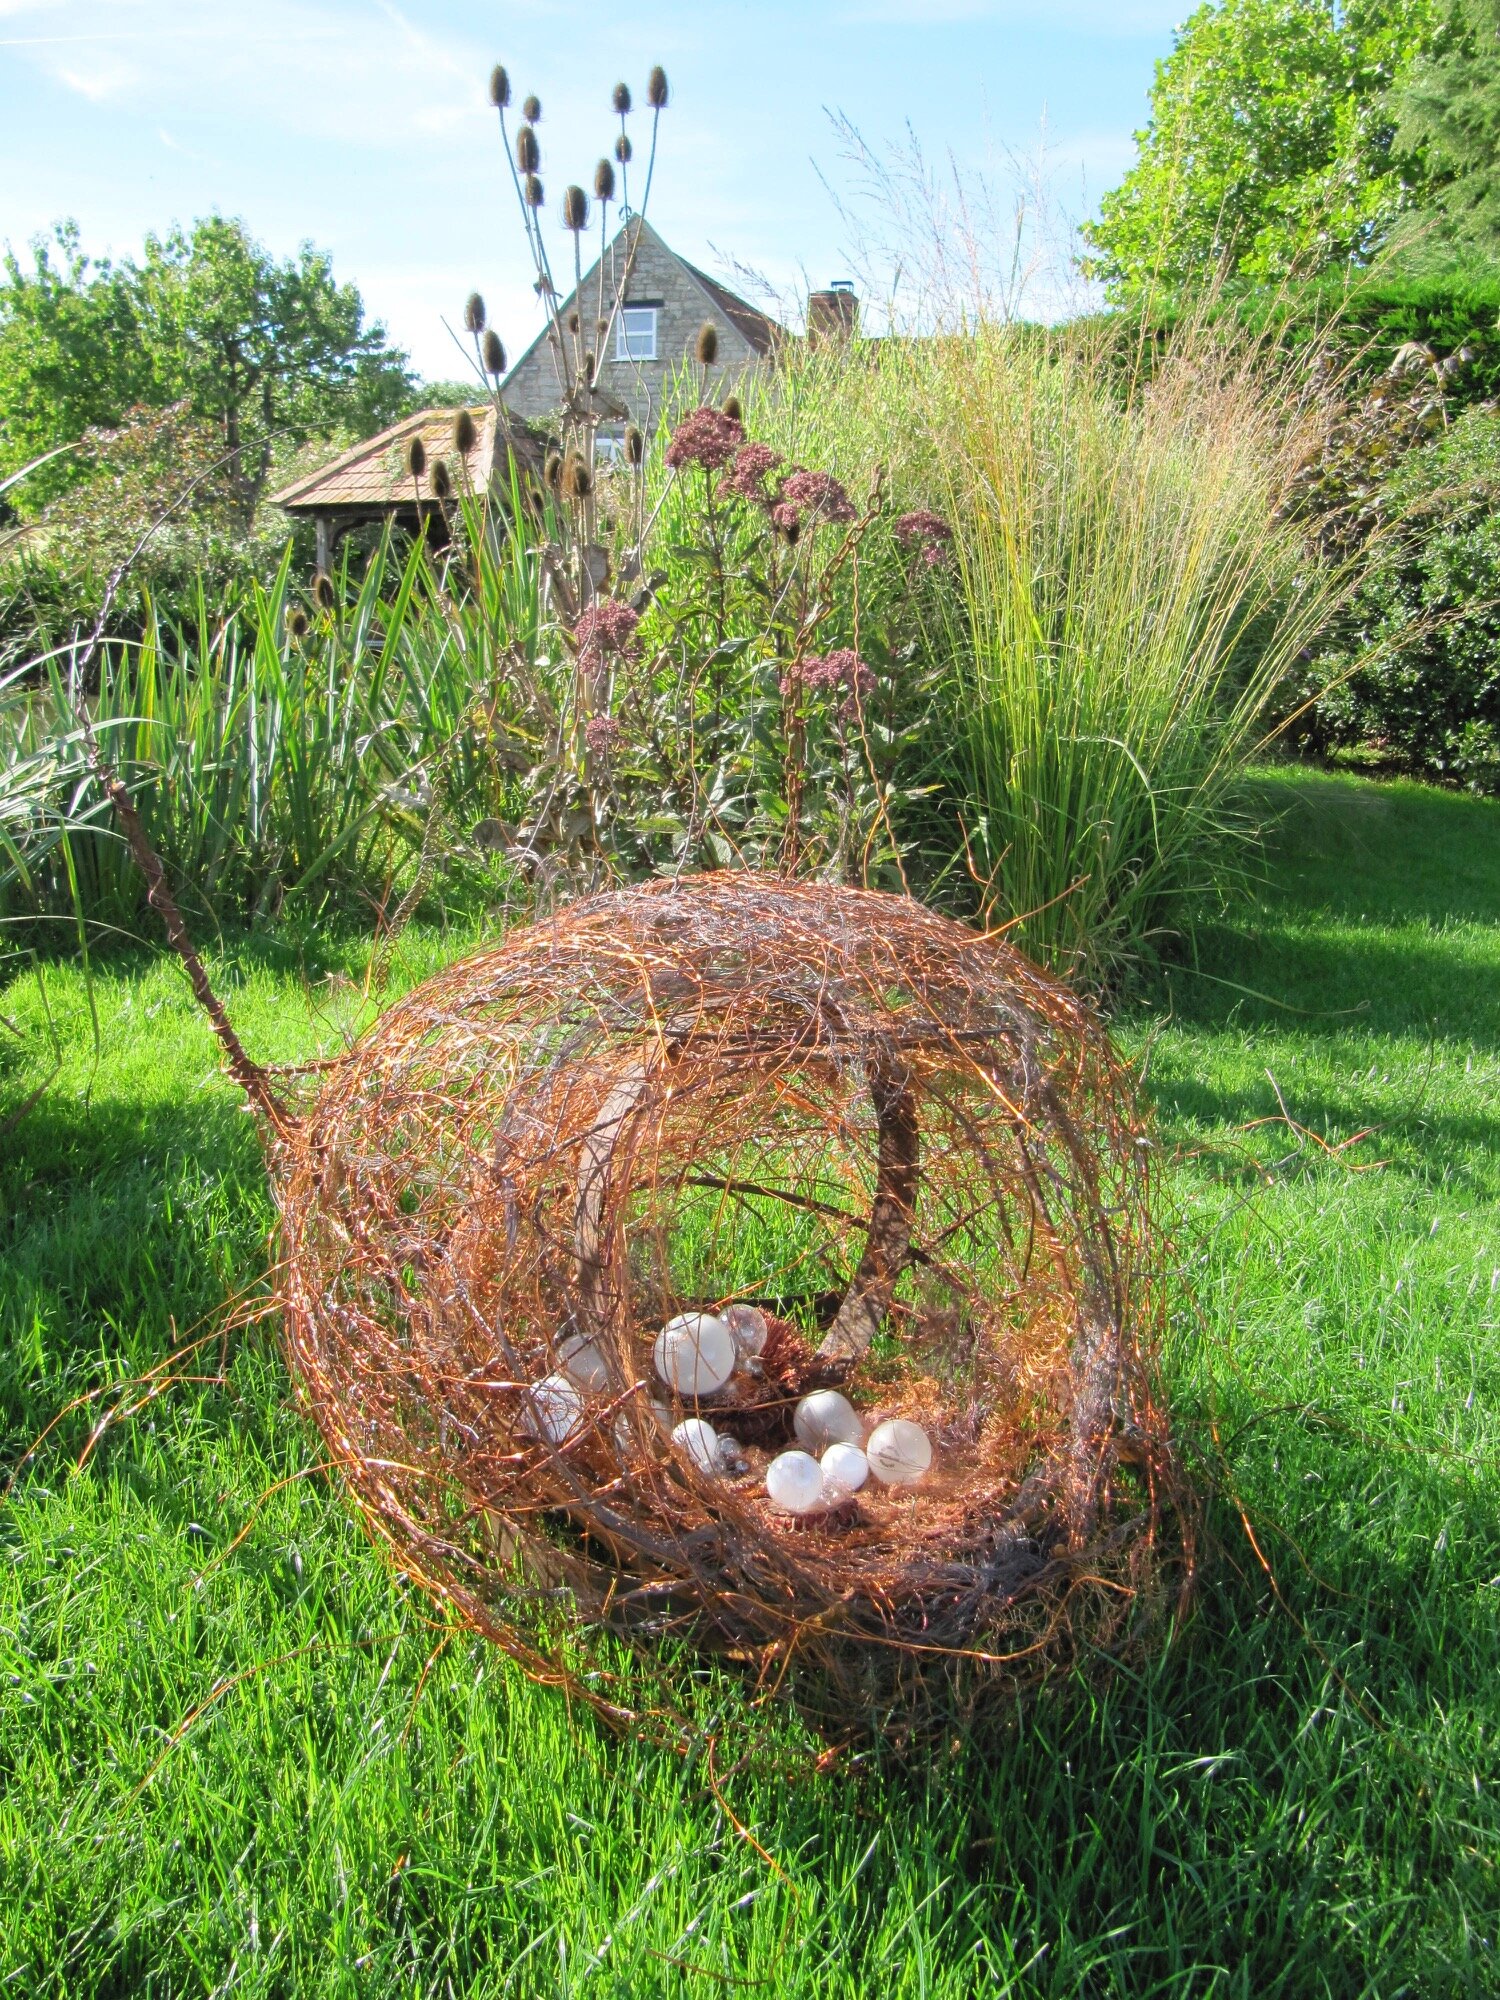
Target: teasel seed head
point(635, 446)
point(439, 480)
point(296, 623)
point(474, 313)
point(604, 181)
point(620, 98)
point(576, 483)
point(656, 88)
point(499, 87)
point(733, 407)
point(590, 362)
point(464, 434)
point(531, 110)
point(324, 594)
point(552, 470)
point(416, 458)
point(533, 190)
point(622, 149)
point(494, 354)
point(575, 208)
point(528, 150)
point(574, 322)
point(707, 348)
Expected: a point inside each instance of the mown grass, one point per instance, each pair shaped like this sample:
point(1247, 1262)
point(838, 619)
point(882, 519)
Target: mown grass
point(262, 1766)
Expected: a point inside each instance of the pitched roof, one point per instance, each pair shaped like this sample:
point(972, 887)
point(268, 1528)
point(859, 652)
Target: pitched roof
point(762, 332)
point(758, 328)
point(375, 475)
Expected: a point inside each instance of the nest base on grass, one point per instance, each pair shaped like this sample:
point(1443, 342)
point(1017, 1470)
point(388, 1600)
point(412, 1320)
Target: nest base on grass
point(911, 1150)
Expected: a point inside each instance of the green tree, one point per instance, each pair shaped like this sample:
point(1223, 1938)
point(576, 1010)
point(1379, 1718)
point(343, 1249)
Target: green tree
point(71, 357)
point(1447, 116)
point(1269, 149)
point(271, 352)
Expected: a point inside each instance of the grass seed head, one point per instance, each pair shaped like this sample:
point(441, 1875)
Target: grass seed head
point(499, 87)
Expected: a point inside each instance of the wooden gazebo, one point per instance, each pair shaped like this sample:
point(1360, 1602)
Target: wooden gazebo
point(373, 481)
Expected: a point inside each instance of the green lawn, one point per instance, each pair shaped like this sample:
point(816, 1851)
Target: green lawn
point(239, 1756)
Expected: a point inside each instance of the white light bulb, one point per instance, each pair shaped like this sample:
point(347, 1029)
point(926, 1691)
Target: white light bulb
point(554, 1410)
point(583, 1362)
point(899, 1452)
point(795, 1483)
point(824, 1418)
point(700, 1441)
point(694, 1353)
point(845, 1470)
point(748, 1325)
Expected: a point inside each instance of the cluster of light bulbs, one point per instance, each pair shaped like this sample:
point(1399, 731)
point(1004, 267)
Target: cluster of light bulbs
point(695, 1354)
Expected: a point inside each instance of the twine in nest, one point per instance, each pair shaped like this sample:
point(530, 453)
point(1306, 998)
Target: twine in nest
point(894, 1151)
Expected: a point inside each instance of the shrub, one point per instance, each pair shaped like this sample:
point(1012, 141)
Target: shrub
point(1416, 659)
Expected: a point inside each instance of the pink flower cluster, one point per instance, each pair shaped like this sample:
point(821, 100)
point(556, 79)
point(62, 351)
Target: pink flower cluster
point(814, 493)
point(606, 631)
point(747, 476)
point(926, 531)
point(705, 437)
point(602, 733)
point(820, 671)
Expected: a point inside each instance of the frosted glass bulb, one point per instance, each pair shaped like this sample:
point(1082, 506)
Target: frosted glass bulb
point(845, 1470)
point(700, 1441)
point(824, 1418)
point(899, 1452)
point(694, 1353)
point(795, 1483)
point(553, 1411)
point(583, 1363)
point(748, 1325)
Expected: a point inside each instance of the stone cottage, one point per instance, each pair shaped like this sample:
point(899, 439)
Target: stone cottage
point(667, 300)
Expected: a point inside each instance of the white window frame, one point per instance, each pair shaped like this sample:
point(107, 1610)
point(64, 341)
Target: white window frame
point(628, 338)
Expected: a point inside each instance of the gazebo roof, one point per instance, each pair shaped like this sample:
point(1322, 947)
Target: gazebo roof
point(373, 478)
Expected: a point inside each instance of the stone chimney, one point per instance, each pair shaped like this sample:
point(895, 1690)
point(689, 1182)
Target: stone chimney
point(834, 314)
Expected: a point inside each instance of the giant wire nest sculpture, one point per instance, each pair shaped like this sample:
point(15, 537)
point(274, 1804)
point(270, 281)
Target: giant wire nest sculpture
point(840, 1148)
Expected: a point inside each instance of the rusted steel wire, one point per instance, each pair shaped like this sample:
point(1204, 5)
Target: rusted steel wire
point(915, 1152)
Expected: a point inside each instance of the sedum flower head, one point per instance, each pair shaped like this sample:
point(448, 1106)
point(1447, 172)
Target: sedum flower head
point(705, 437)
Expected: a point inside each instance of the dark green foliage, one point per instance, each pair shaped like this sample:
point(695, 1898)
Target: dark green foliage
point(1418, 655)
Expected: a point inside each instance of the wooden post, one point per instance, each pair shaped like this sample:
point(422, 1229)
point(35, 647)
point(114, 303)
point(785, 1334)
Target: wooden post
point(324, 550)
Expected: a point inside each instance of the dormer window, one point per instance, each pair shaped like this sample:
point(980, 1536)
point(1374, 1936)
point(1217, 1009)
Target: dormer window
point(635, 333)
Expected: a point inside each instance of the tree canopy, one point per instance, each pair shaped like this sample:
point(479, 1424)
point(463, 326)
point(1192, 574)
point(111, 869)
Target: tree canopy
point(1447, 113)
point(1269, 150)
point(270, 351)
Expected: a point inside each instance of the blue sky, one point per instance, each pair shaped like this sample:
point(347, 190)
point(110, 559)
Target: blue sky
point(364, 124)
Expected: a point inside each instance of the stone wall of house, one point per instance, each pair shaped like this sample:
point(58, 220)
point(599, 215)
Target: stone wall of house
point(533, 391)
